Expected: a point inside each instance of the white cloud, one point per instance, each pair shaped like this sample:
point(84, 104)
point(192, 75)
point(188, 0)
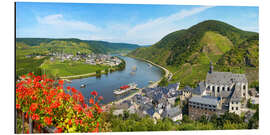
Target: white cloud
point(153, 30)
point(58, 21)
point(149, 32)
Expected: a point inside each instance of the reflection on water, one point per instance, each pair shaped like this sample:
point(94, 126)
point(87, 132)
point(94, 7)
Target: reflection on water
point(105, 84)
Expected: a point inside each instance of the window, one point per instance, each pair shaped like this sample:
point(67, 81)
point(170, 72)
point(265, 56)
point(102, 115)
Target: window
point(223, 88)
point(232, 102)
point(217, 89)
point(236, 108)
point(244, 87)
point(232, 108)
point(228, 88)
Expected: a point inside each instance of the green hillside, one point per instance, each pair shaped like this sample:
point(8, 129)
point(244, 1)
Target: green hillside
point(94, 46)
point(45, 46)
point(187, 53)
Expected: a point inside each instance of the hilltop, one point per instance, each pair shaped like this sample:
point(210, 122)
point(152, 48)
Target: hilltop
point(71, 45)
point(187, 53)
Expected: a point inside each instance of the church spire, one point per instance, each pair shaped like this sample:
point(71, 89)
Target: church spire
point(211, 68)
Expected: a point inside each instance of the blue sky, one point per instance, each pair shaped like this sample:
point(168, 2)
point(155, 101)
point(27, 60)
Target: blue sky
point(139, 24)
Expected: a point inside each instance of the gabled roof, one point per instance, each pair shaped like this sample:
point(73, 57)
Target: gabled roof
point(236, 95)
point(199, 89)
point(204, 100)
point(225, 78)
point(187, 88)
point(172, 112)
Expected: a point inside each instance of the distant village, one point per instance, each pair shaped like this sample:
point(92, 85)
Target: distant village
point(92, 59)
point(220, 92)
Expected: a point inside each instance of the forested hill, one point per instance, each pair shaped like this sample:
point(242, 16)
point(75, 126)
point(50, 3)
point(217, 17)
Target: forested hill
point(187, 53)
point(92, 45)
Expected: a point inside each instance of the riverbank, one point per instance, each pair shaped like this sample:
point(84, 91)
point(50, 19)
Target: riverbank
point(167, 73)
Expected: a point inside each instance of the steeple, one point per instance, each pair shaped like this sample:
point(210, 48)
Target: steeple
point(211, 68)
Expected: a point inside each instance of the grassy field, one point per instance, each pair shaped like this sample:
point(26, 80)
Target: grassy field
point(69, 68)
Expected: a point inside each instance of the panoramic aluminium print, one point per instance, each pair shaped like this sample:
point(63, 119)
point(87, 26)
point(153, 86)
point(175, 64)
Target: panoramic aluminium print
point(86, 67)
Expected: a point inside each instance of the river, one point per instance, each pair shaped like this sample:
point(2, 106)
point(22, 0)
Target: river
point(105, 84)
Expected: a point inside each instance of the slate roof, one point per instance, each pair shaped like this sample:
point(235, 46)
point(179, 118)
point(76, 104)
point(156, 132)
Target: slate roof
point(225, 78)
point(187, 88)
point(204, 100)
point(236, 96)
point(199, 89)
point(172, 112)
point(150, 111)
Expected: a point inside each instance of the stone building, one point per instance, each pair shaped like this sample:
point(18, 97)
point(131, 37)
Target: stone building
point(203, 106)
point(230, 88)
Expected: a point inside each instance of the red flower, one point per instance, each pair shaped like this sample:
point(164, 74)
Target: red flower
point(23, 76)
point(94, 93)
point(77, 107)
point(48, 120)
point(69, 122)
point(30, 74)
point(33, 107)
point(18, 106)
point(68, 87)
point(35, 117)
point(73, 90)
point(89, 114)
point(61, 82)
point(59, 130)
point(100, 98)
point(91, 101)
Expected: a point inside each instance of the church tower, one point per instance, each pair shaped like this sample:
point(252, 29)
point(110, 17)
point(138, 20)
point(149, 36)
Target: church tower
point(211, 68)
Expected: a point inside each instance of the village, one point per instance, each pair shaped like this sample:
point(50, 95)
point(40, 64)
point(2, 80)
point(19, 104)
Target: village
point(92, 59)
point(221, 92)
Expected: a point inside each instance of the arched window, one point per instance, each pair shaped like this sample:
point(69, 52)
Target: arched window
point(228, 88)
point(244, 87)
point(217, 89)
point(223, 88)
point(213, 88)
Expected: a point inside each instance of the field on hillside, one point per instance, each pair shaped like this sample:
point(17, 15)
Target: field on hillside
point(69, 68)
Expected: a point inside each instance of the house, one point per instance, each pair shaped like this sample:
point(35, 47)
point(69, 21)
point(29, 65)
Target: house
point(186, 93)
point(174, 113)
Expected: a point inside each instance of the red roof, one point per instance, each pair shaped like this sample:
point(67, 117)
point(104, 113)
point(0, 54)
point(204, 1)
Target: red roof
point(124, 87)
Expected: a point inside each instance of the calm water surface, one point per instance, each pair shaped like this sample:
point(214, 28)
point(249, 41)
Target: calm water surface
point(105, 84)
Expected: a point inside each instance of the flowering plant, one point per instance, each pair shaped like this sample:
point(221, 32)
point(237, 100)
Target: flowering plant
point(45, 101)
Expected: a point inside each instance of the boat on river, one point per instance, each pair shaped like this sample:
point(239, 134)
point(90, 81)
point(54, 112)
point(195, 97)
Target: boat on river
point(125, 88)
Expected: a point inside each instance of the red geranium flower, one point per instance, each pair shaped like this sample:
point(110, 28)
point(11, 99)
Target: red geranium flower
point(100, 98)
point(18, 106)
point(48, 120)
point(94, 93)
point(35, 117)
point(91, 101)
point(30, 74)
point(33, 107)
point(61, 82)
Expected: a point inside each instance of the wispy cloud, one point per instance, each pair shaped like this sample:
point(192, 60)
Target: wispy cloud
point(155, 29)
point(148, 32)
point(58, 21)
